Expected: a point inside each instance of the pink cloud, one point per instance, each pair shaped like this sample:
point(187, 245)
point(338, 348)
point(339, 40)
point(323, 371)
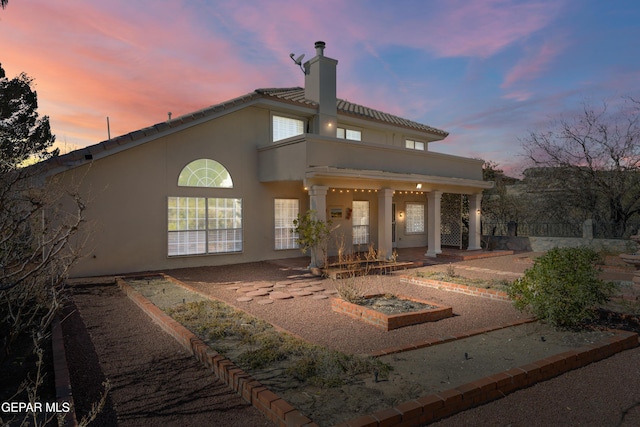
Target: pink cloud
point(135, 61)
point(483, 28)
point(533, 64)
point(122, 63)
point(518, 95)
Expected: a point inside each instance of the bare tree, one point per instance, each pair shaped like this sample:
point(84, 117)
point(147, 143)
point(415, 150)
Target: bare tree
point(36, 253)
point(591, 164)
point(39, 220)
point(500, 204)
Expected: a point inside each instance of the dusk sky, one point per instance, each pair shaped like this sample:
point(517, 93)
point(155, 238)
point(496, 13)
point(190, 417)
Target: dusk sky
point(488, 72)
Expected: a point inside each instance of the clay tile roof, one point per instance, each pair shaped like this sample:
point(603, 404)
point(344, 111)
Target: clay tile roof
point(292, 95)
point(296, 95)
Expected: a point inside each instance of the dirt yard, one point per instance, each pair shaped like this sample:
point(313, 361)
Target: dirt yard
point(101, 309)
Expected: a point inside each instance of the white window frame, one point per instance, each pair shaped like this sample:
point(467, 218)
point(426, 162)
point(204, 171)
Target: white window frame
point(204, 225)
point(283, 127)
point(414, 218)
point(284, 212)
point(205, 173)
point(415, 145)
point(350, 134)
point(360, 220)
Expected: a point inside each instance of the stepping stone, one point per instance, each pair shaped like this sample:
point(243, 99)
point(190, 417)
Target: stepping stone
point(258, 293)
point(330, 292)
point(233, 288)
point(263, 285)
point(314, 289)
point(319, 297)
point(244, 299)
point(265, 301)
point(302, 285)
point(285, 283)
point(294, 289)
point(302, 294)
point(280, 286)
point(280, 295)
point(245, 289)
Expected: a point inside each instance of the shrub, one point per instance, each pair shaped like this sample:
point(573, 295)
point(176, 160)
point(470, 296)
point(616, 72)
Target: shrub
point(562, 288)
point(352, 289)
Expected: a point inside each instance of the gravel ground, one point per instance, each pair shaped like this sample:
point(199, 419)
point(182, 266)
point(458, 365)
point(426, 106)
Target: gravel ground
point(605, 393)
point(315, 321)
point(154, 380)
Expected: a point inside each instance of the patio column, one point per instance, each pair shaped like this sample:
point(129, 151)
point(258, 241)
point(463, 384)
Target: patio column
point(433, 211)
point(318, 201)
point(385, 198)
point(475, 230)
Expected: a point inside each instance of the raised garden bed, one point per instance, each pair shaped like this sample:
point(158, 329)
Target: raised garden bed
point(430, 312)
point(360, 268)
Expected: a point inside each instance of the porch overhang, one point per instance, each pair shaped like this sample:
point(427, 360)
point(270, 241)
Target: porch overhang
point(373, 179)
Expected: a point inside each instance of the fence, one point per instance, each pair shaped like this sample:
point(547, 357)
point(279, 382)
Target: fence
point(540, 229)
point(588, 229)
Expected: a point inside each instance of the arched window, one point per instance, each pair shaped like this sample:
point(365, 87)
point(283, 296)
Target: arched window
point(204, 225)
point(205, 173)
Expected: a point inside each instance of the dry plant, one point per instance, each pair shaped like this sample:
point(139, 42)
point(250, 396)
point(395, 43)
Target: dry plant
point(358, 284)
point(38, 246)
point(451, 270)
point(352, 289)
point(341, 248)
point(372, 254)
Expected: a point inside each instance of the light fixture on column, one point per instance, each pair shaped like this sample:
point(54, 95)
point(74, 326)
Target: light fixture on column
point(401, 214)
point(478, 211)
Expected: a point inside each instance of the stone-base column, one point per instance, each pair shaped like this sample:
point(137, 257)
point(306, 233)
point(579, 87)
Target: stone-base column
point(318, 201)
point(385, 198)
point(433, 221)
point(475, 230)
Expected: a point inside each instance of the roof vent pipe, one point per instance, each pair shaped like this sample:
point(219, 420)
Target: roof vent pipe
point(320, 48)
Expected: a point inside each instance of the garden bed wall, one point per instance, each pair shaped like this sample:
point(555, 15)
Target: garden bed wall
point(454, 287)
point(389, 322)
point(410, 413)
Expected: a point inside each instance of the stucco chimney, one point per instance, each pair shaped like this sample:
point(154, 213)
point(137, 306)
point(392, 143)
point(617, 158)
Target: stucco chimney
point(320, 86)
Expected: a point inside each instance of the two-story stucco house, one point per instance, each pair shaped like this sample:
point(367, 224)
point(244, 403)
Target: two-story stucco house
point(222, 185)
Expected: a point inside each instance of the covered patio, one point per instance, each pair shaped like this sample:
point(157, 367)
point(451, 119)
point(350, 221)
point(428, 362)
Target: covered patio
point(400, 210)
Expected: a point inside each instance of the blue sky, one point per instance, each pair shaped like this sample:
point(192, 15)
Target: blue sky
point(488, 72)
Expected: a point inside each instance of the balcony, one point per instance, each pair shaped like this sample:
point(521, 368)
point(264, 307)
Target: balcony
point(291, 159)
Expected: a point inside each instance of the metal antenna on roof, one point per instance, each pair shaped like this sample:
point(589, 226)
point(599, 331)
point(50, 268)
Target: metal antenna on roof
point(298, 60)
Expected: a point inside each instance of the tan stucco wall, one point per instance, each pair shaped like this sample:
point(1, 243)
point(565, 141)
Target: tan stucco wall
point(127, 194)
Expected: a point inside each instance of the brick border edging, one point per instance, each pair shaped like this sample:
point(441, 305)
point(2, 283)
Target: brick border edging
point(270, 404)
point(388, 322)
point(61, 374)
point(446, 339)
point(454, 287)
point(413, 412)
point(436, 406)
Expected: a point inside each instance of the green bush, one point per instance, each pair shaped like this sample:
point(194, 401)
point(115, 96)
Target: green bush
point(562, 288)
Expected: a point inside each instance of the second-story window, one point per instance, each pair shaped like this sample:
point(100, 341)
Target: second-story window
point(286, 127)
point(414, 145)
point(354, 135)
